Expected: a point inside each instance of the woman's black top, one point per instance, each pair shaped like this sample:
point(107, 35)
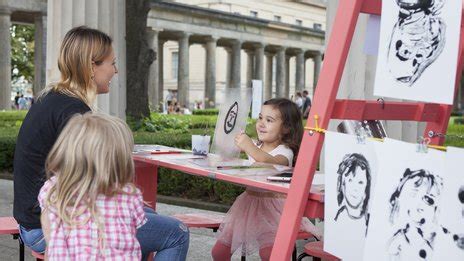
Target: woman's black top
point(39, 131)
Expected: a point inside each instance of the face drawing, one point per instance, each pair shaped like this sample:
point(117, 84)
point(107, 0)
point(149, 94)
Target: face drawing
point(414, 212)
point(353, 186)
point(231, 118)
point(417, 39)
point(415, 198)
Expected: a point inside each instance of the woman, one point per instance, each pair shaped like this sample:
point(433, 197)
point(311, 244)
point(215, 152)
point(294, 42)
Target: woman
point(87, 65)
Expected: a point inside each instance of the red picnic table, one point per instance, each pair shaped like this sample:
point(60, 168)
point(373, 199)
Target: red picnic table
point(148, 158)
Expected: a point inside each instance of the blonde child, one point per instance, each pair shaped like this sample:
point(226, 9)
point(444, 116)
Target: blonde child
point(90, 208)
point(252, 221)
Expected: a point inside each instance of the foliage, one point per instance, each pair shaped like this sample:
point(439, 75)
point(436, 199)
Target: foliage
point(206, 112)
point(22, 51)
point(164, 123)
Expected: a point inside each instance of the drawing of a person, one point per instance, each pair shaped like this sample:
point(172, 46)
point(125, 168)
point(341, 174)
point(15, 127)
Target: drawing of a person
point(353, 187)
point(413, 211)
point(418, 38)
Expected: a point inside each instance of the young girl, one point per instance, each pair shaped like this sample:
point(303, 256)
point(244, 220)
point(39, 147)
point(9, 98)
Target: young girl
point(90, 208)
point(252, 221)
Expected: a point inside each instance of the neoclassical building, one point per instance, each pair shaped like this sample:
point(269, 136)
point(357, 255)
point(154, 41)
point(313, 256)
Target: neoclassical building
point(202, 47)
point(205, 48)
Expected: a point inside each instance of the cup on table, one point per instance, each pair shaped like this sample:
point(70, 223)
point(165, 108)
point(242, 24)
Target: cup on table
point(200, 144)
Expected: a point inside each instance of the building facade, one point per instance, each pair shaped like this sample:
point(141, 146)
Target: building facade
point(207, 46)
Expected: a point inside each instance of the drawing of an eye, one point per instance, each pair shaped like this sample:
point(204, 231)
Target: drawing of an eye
point(428, 200)
point(231, 118)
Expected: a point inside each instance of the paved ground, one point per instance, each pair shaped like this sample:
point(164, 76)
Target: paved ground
point(201, 240)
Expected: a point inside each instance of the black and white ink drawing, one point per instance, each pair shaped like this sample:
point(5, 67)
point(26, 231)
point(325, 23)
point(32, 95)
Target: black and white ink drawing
point(418, 50)
point(417, 39)
point(461, 199)
point(414, 212)
point(231, 120)
point(353, 186)
point(350, 174)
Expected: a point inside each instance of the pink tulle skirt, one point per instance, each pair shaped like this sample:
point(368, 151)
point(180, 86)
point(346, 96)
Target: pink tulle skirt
point(252, 221)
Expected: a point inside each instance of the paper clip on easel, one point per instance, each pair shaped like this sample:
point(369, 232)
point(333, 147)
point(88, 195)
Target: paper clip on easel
point(316, 126)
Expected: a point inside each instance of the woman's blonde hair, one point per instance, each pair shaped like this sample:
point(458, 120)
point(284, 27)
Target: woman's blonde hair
point(81, 47)
point(92, 156)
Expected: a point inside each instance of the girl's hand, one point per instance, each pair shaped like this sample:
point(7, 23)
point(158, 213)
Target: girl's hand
point(243, 141)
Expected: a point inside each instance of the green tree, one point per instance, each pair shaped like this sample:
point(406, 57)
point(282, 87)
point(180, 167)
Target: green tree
point(22, 51)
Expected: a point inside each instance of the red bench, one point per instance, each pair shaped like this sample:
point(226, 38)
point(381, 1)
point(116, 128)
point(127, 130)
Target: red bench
point(9, 226)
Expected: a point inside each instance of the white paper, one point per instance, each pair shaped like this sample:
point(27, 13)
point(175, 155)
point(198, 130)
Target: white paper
point(349, 180)
point(257, 101)
point(405, 204)
point(371, 43)
point(417, 56)
point(449, 245)
point(232, 119)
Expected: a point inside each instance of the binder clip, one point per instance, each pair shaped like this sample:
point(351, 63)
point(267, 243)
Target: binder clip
point(422, 146)
point(316, 126)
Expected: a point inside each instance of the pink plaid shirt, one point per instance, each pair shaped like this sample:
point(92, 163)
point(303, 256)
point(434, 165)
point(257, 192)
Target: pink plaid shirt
point(121, 215)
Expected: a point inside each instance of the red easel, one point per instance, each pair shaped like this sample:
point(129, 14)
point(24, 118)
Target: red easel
point(326, 107)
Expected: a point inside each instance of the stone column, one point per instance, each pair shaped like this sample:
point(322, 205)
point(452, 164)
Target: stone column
point(210, 73)
point(300, 71)
point(183, 71)
point(235, 64)
point(5, 59)
point(280, 73)
point(259, 62)
point(250, 62)
point(154, 99)
point(105, 15)
point(287, 76)
point(40, 45)
point(228, 66)
point(317, 67)
point(160, 60)
point(268, 84)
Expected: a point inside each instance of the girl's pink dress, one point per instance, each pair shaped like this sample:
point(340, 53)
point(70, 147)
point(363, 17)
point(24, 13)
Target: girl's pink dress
point(253, 219)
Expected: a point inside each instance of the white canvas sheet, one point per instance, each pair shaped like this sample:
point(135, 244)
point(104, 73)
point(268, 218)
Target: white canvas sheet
point(349, 179)
point(406, 201)
point(450, 245)
point(232, 118)
point(418, 51)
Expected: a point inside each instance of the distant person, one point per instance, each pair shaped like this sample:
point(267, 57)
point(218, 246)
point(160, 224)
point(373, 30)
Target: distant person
point(16, 98)
point(306, 104)
point(22, 103)
point(299, 101)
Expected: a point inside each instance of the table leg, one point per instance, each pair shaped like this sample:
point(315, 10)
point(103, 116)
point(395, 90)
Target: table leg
point(146, 179)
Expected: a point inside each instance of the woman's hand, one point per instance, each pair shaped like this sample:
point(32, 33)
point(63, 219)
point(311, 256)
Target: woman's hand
point(244, 142)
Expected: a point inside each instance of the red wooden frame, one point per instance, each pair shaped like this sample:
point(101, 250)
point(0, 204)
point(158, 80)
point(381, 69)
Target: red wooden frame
point(326, 107)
